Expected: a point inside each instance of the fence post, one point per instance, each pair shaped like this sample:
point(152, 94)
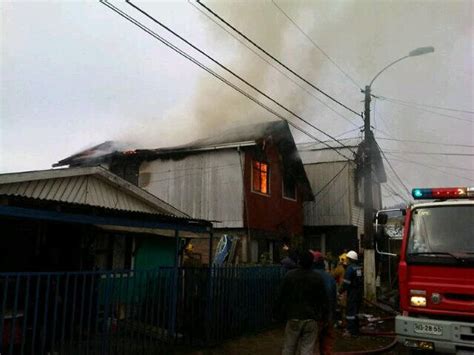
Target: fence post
point(209, 299)
point(174, 291)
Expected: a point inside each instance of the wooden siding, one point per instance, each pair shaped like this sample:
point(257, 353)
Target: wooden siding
point(272, 213)
point(333, 202)
point(205, 185)
point(85, 189)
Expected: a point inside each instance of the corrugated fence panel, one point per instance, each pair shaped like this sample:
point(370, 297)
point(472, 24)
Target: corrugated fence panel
point(133, 311)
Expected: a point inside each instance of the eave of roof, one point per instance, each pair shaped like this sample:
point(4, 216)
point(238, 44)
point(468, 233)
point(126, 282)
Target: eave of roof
point(99, 172)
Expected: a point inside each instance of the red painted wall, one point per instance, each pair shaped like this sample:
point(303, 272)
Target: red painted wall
point(271, 213)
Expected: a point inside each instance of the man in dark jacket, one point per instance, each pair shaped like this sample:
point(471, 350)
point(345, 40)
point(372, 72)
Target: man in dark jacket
point(326, 332)
point(303, 303)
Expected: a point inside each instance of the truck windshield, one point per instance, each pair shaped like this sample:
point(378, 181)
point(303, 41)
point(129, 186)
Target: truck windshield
point(442, 232)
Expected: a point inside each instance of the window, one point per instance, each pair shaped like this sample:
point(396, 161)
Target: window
point(260, 180)
point(113, 251)
point(289, 188)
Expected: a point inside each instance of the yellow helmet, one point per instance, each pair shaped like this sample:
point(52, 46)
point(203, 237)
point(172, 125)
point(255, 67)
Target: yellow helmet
point(343, 259)
point(189, 247)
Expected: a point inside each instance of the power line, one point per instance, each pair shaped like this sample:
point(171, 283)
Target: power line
point(277, 60)
point(432, 165)
point(342, 134)
point(424, 105)
point(210, 71)
point(316, 45)
point(331, 180)
point(233, 73)
point(425, 110)
point(425, 142)
point(270, 63)
point(393, 169)
point(435, 168)
point(429, 153)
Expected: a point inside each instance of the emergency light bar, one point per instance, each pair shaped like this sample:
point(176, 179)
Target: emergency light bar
point(442, 193)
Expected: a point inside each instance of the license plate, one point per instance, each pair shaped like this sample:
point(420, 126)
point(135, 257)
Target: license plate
point(424, 328)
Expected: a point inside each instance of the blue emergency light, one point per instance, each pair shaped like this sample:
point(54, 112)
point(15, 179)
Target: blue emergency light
point(444, 193)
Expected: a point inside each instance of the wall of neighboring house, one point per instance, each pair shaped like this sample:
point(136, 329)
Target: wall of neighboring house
point(206, 185)
point(332, 183)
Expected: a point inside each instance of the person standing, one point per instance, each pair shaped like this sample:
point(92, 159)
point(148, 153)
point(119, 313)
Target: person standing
point(326, 332)
point(353, 284)
point(302, 302)
point(290, 261)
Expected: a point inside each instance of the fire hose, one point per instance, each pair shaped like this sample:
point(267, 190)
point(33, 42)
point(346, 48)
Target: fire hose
point(375, 351)
point(381, 334)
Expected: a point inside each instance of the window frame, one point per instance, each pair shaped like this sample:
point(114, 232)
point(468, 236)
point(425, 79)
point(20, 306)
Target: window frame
point(283, 191)
point(268, 193)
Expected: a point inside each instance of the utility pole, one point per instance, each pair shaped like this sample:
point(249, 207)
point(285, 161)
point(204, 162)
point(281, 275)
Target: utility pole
point(368, 241)
point(368, 144)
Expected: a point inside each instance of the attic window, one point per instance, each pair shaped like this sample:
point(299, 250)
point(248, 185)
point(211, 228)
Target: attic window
point(260, 180)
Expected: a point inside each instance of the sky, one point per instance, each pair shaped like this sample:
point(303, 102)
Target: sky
point(75, 74)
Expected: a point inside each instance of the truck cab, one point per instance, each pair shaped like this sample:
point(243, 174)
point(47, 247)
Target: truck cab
point(436, 272)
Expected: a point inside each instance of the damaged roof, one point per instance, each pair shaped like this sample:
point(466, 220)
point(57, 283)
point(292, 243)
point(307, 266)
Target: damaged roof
point(239, 136)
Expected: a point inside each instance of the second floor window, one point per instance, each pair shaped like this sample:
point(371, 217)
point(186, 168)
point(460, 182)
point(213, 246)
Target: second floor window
point(289, 188)
point(260, 177)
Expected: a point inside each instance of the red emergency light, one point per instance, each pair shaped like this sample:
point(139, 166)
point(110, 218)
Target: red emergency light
point(443, 193)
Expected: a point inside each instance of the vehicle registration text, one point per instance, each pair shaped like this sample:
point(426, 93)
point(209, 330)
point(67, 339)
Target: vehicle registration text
point(424, 328)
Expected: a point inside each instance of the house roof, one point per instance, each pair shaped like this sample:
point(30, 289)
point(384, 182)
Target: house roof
point(239, 136)
point(317, 153)
point(92, 186)
point(314, 153)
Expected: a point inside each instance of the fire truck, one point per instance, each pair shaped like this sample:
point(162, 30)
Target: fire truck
point(436, 271)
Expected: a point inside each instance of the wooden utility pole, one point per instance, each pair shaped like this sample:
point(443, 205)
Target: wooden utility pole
point(368, 241)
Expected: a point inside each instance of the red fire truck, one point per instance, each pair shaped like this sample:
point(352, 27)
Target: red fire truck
point(436, 271)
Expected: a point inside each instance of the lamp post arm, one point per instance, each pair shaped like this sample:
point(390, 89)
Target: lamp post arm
point(388, 66)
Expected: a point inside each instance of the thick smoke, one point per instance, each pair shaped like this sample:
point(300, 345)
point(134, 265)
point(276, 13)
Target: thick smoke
point(215, 107)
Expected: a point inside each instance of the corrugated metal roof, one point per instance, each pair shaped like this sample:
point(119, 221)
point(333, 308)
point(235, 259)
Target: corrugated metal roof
point(313, 153)
point(92, 186)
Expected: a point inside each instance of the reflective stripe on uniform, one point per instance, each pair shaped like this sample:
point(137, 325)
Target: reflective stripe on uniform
point(350, 317)
point(347, 281)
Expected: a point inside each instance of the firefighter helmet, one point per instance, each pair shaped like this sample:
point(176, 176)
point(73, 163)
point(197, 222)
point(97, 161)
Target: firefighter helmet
point(352, 255)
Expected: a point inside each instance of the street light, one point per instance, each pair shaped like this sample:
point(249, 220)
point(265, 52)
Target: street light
point(368, 242)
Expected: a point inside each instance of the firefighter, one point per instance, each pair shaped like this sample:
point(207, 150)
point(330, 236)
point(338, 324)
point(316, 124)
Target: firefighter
point(353, 284)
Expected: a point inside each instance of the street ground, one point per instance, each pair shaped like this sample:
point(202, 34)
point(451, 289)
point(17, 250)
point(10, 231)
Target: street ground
point(269, 342)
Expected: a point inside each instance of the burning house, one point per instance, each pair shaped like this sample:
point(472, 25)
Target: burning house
point(250, 181)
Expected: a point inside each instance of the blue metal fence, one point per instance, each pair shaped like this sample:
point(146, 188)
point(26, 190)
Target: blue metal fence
point(132, 312)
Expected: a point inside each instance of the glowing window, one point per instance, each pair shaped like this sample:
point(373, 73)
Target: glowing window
point(260, 180)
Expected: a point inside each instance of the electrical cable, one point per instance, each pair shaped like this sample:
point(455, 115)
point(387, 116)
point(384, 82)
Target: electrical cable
point(426, 142)
point(429, 153)
point(316, 45)
point(210, 71)
point(431, 106)
point(425, 110)
point(431, 165)
point(437, 169)
point(231, 72)
point(391, 167)
point(277, 60)
point(271, 64)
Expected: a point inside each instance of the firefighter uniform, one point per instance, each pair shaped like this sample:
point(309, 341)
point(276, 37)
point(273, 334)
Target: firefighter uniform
point(354, 285)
